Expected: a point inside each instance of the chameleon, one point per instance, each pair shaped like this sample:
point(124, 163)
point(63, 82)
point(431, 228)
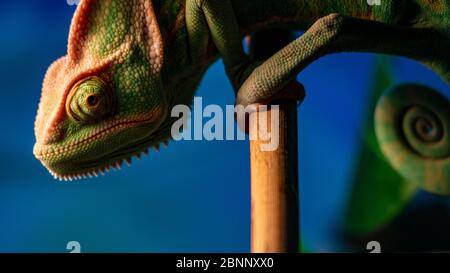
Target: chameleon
point(129, 62)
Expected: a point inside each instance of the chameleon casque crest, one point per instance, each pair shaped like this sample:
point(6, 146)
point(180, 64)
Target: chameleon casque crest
point(130, 61)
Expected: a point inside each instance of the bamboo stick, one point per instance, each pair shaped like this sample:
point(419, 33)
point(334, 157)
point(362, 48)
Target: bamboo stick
point(274, 174)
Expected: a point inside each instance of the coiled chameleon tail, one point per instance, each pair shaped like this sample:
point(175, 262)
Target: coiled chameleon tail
point(412, 124)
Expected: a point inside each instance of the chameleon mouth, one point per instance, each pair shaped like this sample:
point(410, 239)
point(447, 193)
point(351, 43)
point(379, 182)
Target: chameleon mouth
point(94, 168)
point(114, 165)
point(43, 153)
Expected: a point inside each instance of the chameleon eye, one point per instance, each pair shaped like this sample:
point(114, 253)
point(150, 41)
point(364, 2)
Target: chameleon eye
point(90, 100)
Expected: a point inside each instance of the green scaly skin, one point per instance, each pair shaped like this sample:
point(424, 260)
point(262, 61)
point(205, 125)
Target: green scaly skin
point(129, 62)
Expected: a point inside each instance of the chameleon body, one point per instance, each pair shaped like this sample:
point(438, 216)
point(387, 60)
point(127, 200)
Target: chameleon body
point(130, 61)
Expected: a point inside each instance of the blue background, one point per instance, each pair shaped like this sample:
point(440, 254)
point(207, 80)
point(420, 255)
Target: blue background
point(192, 196)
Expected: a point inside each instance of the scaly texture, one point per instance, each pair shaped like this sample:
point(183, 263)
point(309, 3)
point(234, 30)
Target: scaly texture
point(413, 129)
point(114, 56)
point(129, 62)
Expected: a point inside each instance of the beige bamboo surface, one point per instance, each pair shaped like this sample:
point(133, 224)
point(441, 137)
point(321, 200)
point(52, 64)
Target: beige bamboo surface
point(274, 174)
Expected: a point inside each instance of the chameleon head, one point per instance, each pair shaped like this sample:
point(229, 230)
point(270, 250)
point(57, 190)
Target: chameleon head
point(103, 102)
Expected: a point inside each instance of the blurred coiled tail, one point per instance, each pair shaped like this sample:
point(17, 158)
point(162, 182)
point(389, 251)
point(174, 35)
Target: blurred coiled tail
point(412, 124)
